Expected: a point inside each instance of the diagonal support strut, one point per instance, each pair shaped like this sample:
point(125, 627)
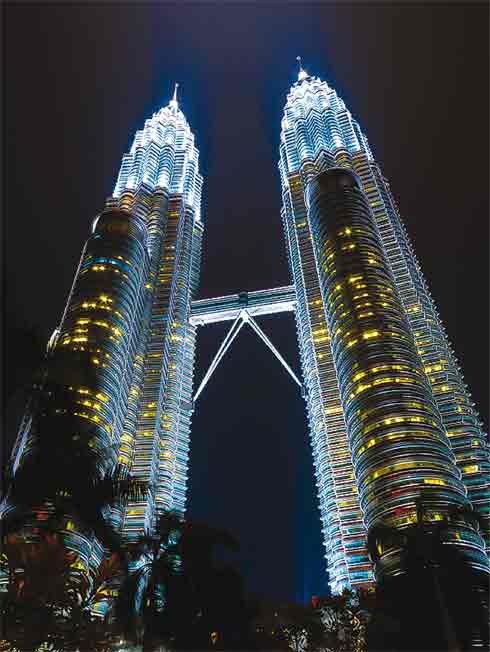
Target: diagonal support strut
point(271, 346)
point(243, 318)
point(225, 345)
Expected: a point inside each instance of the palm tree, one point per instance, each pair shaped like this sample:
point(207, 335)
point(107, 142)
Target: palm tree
point(215, 592)
point(43, 501)
point(170, 593)
point(88, 625)
point(66, 476)
point(67, 467)
point(141, 597)
point(74, 490)
point(299, 626)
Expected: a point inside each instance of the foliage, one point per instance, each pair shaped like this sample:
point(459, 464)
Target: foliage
point(302, 628)
point(49, 602)
point(290, 626)
point(344, 619)
point(169, 588)
point(152, 564)
point(174, 591)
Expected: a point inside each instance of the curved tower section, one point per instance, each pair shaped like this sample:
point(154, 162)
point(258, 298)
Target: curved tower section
point(404, 465)
point(318, 132)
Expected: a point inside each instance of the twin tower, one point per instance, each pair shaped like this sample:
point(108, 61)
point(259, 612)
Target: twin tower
point(394, 433)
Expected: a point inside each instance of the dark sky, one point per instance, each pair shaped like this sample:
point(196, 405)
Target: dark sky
point(79, 79)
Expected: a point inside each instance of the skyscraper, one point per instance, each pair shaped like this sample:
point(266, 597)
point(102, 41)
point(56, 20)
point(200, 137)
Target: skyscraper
point(391, 421)
point(121, 359)
point(344, 311)
point(159, 181)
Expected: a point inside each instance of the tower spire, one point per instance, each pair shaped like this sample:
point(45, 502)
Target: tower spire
point(173, 102)
point(302, 74)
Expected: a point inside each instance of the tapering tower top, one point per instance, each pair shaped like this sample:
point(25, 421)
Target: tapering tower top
point(332, 127)
point(163, 156)
point(302, 74)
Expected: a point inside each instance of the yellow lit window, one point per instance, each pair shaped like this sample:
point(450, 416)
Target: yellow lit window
point(370, 334)
point(333, 410)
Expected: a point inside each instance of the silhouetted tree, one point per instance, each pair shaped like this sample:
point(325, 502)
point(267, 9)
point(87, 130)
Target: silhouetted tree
point(438, 602)
point(142, 596)
point(66, 467)
point(175, 592)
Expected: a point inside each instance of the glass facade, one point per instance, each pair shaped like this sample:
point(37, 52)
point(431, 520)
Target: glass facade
point(366, 452)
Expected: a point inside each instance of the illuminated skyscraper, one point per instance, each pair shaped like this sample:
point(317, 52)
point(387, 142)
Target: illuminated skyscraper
point(391, 419)
point(123, 354)
point(159, 181)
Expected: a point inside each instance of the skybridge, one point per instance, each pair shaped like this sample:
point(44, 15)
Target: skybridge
point(241, 309)
point(227, 308)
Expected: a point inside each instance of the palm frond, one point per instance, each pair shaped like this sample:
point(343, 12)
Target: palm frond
point(169, 521)
point(119, 485)
point(127, 602)
point(164, 567)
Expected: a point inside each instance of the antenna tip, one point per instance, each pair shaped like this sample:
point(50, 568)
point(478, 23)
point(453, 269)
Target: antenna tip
point(173, 102)
point(302, 74)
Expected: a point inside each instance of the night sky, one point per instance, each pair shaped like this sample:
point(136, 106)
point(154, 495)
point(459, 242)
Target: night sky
point(80, 79)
